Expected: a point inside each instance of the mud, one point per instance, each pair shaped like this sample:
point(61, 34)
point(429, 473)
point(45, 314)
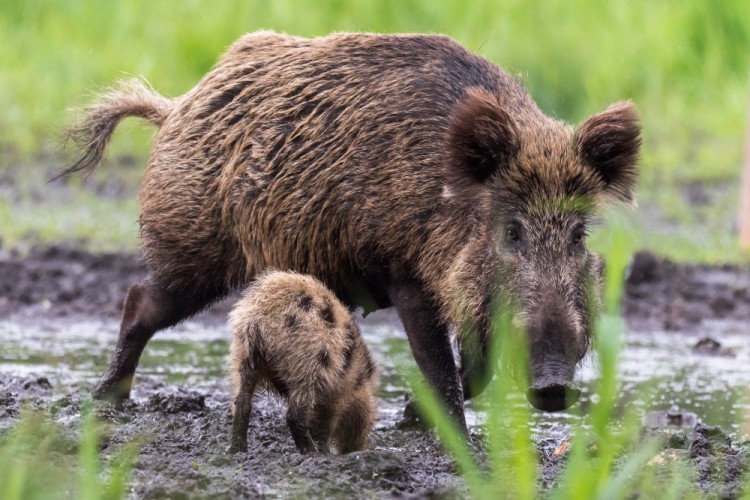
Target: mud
point(660, 294)
point(58, 321)
point(184, 435)
point(61, 280)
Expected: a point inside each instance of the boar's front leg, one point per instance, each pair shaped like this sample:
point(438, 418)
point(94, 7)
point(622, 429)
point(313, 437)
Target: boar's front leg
point(476, 371)
point(149, 307)
point(430, 344)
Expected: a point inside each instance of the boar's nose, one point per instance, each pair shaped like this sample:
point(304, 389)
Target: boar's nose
point(553, 397)
point(551, 387)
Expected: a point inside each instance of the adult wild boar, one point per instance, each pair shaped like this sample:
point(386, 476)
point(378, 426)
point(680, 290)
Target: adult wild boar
point(401, 170)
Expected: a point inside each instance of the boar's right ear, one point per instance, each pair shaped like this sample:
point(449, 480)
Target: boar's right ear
point(481, 137)
point(609, 142)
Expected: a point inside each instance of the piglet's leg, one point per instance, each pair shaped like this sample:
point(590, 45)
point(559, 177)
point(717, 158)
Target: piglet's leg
point(354, 425)
point(243, 403)
point(298, 419)
point(321, 431)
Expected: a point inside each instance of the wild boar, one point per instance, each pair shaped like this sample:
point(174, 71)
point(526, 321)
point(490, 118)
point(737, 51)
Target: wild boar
point(400, 170)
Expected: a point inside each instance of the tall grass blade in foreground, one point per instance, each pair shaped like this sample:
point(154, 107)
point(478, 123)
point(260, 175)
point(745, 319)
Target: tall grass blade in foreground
point(434, 411)
point(40, 460)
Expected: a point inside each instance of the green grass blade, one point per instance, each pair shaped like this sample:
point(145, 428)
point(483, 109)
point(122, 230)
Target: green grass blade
point(452, 438)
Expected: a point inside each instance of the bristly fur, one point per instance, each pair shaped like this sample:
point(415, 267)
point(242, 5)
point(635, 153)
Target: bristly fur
point(292, 336)
point(387, 166)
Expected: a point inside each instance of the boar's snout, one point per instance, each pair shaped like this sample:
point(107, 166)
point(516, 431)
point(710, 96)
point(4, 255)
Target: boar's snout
point(557, 343)
point(554, 397)
point(551, 386)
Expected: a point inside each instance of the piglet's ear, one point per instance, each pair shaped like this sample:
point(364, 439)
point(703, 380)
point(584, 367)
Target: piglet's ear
point(609, 142)
point(481, 137)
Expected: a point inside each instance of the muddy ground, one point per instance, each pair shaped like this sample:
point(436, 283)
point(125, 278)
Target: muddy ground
point(64, 303)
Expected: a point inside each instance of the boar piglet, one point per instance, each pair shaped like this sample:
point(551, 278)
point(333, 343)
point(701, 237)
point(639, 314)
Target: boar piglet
point(291, 336)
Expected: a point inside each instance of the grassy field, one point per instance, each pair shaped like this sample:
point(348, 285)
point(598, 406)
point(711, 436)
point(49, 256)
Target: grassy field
point(685, 64)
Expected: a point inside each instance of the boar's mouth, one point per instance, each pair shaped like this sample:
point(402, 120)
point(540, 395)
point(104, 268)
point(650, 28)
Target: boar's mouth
point(553, 397)
point(551, 386)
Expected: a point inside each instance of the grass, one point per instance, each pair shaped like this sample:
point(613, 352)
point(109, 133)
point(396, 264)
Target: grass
point(40, 461)
point(683, 62)
point(607, 457)
point(94, 222)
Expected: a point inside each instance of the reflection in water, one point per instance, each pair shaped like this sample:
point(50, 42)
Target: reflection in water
point(658, 369)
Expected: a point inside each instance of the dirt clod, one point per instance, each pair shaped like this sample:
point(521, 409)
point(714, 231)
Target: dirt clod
point(8, 405)
point(711, 347)
point(717, 462)
point(644, 268)
point(176, 403)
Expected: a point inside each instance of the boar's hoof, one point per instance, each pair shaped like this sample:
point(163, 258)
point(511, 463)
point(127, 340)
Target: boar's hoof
point(411, 418)
point(555, 397)
point(108, 390)
point(237, 446)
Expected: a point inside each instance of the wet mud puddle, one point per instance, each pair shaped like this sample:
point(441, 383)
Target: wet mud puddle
point(660, 369)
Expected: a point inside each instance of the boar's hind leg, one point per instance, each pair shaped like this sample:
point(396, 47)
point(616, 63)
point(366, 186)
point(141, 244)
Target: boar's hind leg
point(430, 344)
point(148, 308)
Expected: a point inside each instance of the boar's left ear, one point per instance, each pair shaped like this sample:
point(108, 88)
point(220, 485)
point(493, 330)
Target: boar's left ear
point(481, 137)
point(609, 142)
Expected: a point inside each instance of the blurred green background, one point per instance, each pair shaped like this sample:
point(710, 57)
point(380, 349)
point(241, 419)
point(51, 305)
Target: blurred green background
point(684, 62)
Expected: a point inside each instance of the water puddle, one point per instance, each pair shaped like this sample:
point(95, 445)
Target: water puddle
point(658, 370)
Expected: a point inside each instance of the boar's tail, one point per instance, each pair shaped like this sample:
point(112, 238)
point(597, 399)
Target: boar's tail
point(133, 97)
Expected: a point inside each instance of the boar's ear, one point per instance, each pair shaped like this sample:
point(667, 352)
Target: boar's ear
point(481, 137)
point(609, 142)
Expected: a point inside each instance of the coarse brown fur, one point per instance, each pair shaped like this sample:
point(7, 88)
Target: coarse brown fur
point(292, 336)
point(391, 167)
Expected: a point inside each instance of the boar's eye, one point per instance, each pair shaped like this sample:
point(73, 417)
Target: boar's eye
point(512, 233)
point(579, 235)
